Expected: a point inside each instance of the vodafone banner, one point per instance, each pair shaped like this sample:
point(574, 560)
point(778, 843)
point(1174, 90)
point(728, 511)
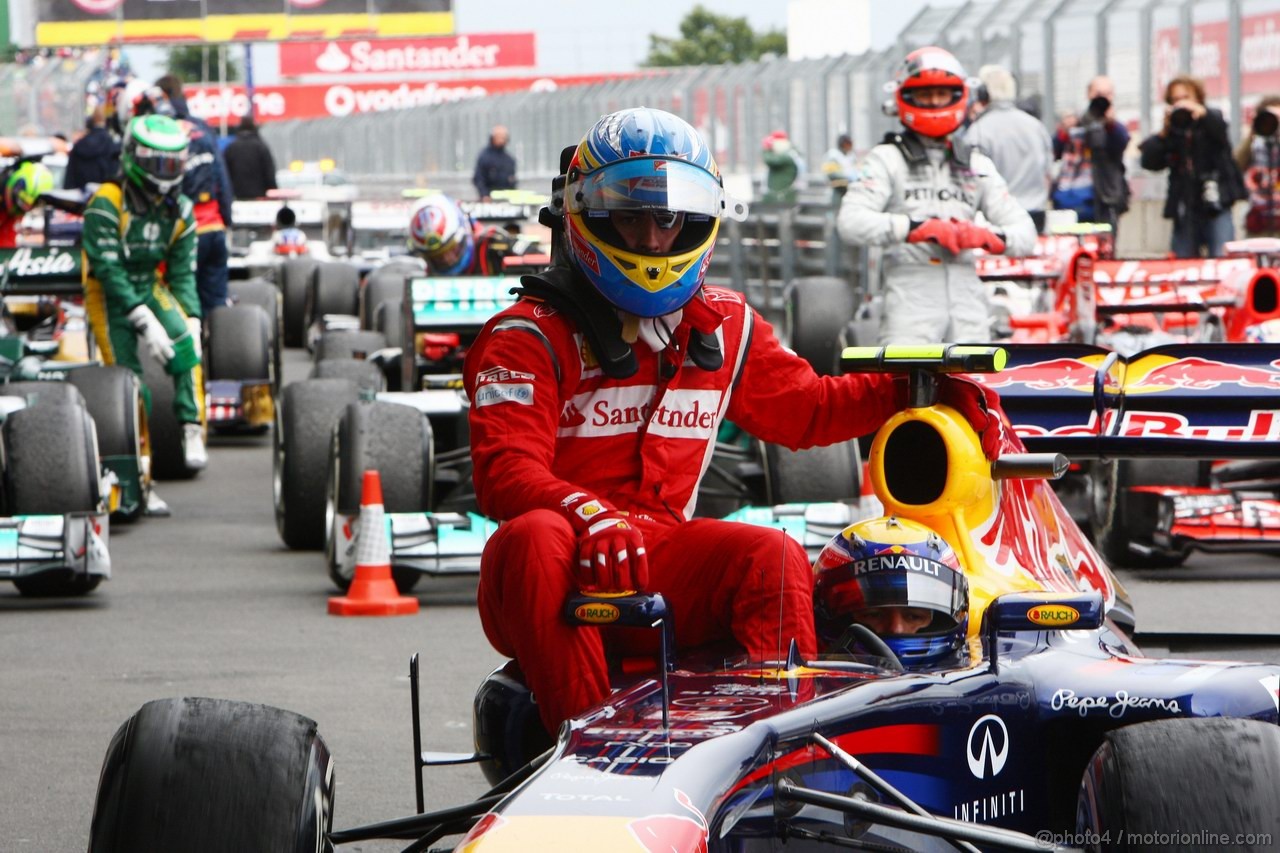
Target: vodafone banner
point(413, 56)
point(1259, 55)
point(319, 100)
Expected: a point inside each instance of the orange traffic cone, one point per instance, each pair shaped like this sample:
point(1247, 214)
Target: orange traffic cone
point(372, 592)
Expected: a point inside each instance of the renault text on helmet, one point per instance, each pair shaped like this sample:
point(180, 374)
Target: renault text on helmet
point(932, 92)
point(884, 564)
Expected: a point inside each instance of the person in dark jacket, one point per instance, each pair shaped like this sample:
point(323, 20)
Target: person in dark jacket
point(207, 185)
point(1203, 178)
point(495, 168)
point(95, 157)
point(1091, 180)
point(253, 169)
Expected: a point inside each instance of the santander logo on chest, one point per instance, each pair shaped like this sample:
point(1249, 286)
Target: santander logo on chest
point(681, 413)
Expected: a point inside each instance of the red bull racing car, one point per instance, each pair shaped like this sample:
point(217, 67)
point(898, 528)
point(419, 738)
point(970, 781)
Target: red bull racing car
point(1048, 731)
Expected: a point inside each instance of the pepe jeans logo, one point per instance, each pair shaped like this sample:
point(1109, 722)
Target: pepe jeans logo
point(988, 746)
point(26, 263)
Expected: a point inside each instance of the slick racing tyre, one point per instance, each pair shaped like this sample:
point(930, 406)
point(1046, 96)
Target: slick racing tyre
point(266, 296)
point(114, 399)
point(300, 448)
point(816, 475)
point(817, 310)
point(394, 440)
point(51, 468)
point(386, 284)
point(295, 283)
point(365, 374)
point(335, 289)
point(239, 343)
point(347, 344)
point(1182, 784)
point(168, 462)
point(214, 776)
point(43, 393)
point(1119, 516)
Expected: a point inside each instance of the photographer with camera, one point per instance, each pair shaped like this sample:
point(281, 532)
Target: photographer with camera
point(1203, 179)
point(1258, 157)
point(1091, 177)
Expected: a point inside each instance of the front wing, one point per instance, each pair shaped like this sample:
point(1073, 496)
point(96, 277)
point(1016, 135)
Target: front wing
point(33, 544)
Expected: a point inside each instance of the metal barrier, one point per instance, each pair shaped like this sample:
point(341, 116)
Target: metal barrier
point(1054, 47)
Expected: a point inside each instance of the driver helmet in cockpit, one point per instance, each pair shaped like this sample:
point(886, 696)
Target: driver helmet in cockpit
point(900, 579)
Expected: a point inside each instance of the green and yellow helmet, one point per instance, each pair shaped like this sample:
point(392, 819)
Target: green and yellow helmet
point(154, 155)
point(25, 186)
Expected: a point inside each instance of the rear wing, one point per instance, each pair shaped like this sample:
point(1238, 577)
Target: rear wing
point(1207, 401)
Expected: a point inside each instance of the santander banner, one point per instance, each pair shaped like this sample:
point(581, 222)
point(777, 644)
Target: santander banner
point(413, 56)
point(1259, 55)
point(321, 100)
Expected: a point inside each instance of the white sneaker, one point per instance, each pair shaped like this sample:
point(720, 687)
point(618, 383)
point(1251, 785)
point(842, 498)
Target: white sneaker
point(193, 446)
point(156, 507)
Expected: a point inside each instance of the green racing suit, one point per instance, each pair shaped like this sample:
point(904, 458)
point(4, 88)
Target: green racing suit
point(137, 254)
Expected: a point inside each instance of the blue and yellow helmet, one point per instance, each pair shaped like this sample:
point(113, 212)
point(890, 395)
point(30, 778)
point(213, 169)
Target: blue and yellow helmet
point(644, 161)
point(893, 562)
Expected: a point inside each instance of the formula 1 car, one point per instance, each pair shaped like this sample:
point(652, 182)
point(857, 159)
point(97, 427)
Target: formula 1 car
point(1050, 722)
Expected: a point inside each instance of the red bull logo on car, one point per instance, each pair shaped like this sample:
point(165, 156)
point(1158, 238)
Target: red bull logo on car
point(1167, 373)
point(1076, 374)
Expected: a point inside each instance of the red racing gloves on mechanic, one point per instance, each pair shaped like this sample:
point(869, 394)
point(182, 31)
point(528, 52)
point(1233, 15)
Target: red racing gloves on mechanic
point(955, 235)
point(980, 406)
point(972, 236)
point(940, 231)
point(611, 555)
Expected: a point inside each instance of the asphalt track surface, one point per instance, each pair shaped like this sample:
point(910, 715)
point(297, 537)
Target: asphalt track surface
point(210, 603)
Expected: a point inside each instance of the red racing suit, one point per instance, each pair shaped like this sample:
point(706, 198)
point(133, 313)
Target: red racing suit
point(547, 424)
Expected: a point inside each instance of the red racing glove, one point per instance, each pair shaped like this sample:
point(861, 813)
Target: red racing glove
point(980, 406)
point(611, 555)
point(938, 231)
point(972, 236)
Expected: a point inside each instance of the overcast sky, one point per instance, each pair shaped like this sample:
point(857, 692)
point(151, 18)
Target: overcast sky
point(598, 35)
point(588, 36)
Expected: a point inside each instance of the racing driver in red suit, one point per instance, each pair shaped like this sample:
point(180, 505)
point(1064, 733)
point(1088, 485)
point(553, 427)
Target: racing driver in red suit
point(596, 399)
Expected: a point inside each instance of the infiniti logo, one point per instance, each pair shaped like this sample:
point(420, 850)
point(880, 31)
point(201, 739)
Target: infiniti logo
point(988, 744)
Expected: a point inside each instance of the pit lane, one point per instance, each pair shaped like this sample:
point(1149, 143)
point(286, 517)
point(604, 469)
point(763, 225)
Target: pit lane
point(209, 602)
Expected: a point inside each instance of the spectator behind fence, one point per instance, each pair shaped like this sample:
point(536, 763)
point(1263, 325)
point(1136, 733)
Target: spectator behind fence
point(1203, 179)
point(495, 168)
point(1018, 144)
point(1258, 157)
point(95, 157)
point(249, 161)
point(1091, 179)
point(785, 169)
point(839, 167)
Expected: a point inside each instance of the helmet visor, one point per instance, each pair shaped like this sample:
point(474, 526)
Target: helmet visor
point(901, 580)
point(163, 166)
point(652, 184)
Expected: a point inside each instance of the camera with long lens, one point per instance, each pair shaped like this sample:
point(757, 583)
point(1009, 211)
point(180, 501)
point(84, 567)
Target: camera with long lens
point(1180, 118)
point(1265, 123)
point(1097, 109)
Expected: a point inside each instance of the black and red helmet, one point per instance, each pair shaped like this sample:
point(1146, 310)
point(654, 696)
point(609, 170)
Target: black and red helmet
point(926, 68)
